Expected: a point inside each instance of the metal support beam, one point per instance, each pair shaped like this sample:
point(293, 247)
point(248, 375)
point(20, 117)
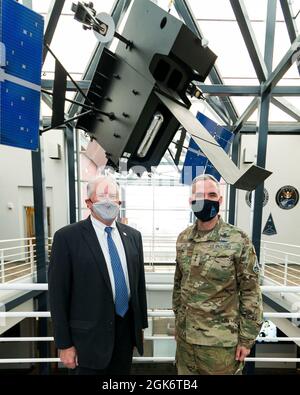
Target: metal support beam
point(244, 23)
point(288, 59)
point(69, 139)
point(53, 15)
point(293, 34)
point(271, 81)
point(84, 85)
point(230, 90)
point(40, 218)
point(210, 90)
point(218, 109)
point(235, 153)
point(248, 127)
point(246, 90)
point(246, 115)
point(274, 128)
point(261, 161)
point(270, 34)
point(180, 146)
point(184, 10)
point(263, 129)
point(289, 20)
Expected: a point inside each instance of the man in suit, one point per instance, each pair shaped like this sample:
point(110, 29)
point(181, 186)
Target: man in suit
point(97, 287)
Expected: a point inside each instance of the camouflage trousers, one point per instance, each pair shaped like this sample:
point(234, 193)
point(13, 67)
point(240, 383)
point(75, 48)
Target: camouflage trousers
point(192, 359)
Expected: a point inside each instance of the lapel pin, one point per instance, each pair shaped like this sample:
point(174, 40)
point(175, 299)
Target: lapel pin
point(125, 234)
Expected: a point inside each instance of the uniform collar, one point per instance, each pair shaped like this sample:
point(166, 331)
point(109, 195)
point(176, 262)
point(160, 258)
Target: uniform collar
point(212, 235)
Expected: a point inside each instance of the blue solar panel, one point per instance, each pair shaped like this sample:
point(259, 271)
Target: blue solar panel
point(195, 162)
point(21, 35)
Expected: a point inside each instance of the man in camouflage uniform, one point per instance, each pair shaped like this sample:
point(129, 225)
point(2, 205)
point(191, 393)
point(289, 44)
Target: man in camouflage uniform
point(216, 299)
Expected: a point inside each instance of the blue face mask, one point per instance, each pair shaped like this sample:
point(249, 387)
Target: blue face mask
point(205, 209)
point(106, 209)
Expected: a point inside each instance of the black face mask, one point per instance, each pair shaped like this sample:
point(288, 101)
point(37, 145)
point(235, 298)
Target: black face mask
point(205, 210)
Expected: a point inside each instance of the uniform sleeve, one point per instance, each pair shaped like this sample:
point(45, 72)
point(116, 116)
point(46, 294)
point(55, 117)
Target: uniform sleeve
point(250, 298)
point(177, 285)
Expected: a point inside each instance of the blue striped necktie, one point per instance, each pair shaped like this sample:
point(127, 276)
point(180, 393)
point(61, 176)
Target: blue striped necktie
point(121, 297)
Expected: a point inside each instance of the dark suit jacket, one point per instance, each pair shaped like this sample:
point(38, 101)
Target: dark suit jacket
point(81, 299)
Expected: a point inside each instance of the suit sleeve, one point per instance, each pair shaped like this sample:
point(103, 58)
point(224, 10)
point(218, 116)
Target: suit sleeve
point(59, 280)
point(142, 286)
point(250, 298)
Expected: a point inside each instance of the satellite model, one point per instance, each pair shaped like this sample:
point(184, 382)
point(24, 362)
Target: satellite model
point(141, 90)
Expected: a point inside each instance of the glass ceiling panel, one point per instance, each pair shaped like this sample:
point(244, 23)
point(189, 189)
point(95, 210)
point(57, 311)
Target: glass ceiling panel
point(71, 44)
point(99, 5)
point(212, 9)
point(41, 6)
point(256, 9)
point(228, 44)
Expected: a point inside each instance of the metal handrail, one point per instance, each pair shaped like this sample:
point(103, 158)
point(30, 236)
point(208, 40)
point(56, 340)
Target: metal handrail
point(18, 253)
point(19, 271)
point(273, 268)
point(22, 239)
point(32, 274)
point(280, 277)
point(17, 266)
point(14, 261)
point(276, 257)
point(281, 252)
point(149, 286)
point(283, 244)
point(154, 337)
point(280, 271)
point(144, 359)
point(273, 274)
point(16, 247)
point(274, 281)
point(158, 313)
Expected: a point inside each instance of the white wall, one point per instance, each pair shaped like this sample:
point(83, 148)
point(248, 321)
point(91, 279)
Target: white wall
point(283, 156)
point(16, 186)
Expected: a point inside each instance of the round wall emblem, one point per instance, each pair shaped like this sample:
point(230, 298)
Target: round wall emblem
point(287, 197)
point(249, 197)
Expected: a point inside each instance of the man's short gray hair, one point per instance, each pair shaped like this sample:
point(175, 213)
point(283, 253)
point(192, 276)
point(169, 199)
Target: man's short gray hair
point(92, 184)
point(204, 177)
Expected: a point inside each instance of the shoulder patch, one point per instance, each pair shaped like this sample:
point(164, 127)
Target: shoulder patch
point(256, 267)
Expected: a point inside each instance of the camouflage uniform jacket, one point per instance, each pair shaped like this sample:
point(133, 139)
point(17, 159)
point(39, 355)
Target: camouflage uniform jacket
point(217, 299)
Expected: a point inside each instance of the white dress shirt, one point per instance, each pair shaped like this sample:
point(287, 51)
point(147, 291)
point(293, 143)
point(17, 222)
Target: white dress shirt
point(102, 238)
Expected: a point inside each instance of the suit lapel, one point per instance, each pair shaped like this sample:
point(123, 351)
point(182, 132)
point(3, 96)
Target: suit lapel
point(94, 245)
point(128, 252)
